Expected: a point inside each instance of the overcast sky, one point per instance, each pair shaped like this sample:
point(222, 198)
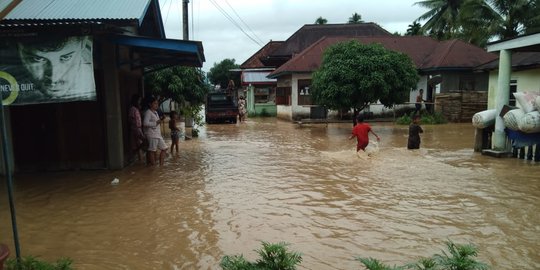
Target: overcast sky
point(266, 20)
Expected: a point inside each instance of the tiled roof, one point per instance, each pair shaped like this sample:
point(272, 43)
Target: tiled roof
point(310, 33)
point(255, 60)
point(520, 61)
point(78, 10)
point(425, 52)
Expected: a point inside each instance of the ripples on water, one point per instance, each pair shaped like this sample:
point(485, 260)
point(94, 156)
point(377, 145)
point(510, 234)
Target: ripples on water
point(268, 180)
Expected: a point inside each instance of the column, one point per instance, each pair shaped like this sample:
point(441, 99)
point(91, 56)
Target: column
point(501, 97)
point(113, 120)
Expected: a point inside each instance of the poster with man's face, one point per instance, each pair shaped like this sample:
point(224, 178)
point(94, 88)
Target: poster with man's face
point(46, 70)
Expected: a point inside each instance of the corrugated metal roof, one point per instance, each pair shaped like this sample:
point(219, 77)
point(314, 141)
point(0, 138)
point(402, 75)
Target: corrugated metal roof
point(79, 10)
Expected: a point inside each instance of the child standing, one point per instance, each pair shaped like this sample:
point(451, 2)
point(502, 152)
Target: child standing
point(414, 133)
point(361, 132)
point(175, 131)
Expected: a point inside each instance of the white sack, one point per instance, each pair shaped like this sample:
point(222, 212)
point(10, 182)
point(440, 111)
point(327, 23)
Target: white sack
point(512, 117)
point(484, 119)
point(530, 122)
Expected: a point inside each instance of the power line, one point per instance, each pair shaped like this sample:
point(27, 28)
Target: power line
point(252, 32)
point(233, 21)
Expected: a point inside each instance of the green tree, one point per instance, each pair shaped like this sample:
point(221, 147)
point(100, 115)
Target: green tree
point(414, 29)
point(442, 17)
point(221, 73)
point(355, 18)
point(321, 20)
point(181, 84)
point(353, 75)
point(478, 21)
point(513, 17)
point(185, 85)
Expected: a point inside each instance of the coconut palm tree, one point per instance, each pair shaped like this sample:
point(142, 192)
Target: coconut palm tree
point(321, 20)
point(355, 18)
point(514, 16)
point(414, 29)
point(442, 17)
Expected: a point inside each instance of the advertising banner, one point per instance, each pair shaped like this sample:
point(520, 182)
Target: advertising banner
point(46, 70)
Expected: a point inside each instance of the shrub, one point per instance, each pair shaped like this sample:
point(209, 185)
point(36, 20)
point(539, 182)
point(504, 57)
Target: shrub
point(460, 257)
point(272, 257)
point(425, 118)
point(32, 263)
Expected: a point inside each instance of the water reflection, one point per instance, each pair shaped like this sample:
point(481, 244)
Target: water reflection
point(268, 180)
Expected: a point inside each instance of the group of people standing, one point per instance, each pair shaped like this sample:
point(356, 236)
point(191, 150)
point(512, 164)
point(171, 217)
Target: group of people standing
point(145, 131)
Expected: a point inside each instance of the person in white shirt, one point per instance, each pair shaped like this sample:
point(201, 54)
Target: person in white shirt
point(152, 131)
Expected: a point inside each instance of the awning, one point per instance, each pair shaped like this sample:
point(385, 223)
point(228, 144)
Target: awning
point(154, 54)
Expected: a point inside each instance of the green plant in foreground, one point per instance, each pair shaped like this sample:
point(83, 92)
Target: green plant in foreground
point(272, 257)
point(460, 257)
point(374, 264)
point(32, 263)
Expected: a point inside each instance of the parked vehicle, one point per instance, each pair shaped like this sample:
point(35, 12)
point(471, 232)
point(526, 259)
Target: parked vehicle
point(220, 107)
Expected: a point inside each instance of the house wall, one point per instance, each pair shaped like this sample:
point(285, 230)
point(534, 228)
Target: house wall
point(458, 81)
point(527, 80)
point(298, 111)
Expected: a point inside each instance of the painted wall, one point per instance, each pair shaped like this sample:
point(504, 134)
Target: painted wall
point(527, 80)
point(298, 111)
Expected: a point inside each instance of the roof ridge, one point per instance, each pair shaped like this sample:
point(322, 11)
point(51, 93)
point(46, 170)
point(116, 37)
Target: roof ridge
point(446, 51)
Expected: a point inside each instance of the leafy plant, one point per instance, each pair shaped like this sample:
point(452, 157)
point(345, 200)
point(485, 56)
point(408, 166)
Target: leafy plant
point(272, 257)
point(460, 257)
point(32, 263)
point(374, 264)
point(423, 264)
point(426, 119)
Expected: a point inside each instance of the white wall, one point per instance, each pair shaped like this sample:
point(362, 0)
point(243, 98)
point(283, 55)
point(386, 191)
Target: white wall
point(297, 110)
point(527, 81)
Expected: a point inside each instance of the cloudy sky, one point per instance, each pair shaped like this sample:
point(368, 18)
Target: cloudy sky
point(239, 28)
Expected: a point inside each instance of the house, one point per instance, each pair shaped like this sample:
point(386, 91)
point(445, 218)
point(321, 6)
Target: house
point(259, 88)
point(442, 65)
point(263, 91)
point(517, 70)
point(124, 40)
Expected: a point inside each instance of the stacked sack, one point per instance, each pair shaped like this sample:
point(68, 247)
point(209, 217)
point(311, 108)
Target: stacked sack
point(484, 119)
point(527, 117)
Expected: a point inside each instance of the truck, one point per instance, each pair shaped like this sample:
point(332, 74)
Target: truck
point(220, 108)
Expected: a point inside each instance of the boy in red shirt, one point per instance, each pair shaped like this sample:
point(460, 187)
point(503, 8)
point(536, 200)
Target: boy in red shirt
point(361, 132)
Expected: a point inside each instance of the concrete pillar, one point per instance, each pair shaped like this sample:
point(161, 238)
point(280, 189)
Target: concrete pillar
point(115, 141)
point(501, 97)
point(250, 100)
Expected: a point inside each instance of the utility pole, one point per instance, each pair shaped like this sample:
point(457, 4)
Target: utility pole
point(185, 24)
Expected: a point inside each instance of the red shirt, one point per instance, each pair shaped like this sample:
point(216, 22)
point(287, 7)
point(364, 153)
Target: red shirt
point(361, 132)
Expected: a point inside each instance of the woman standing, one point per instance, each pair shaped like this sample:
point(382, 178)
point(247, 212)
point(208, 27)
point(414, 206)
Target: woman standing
point(152, 131)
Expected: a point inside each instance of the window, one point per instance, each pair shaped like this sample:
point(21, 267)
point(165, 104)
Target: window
point(283, 96)
point(304, 95)
point(466, 83)
point(513, 89)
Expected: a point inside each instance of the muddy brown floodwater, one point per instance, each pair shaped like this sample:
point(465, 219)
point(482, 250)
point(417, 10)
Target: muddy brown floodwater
point(270, 180)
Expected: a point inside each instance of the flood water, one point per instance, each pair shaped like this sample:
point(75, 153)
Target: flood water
point(270, 180)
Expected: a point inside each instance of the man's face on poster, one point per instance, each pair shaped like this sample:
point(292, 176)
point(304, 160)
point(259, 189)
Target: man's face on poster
point(54, 67)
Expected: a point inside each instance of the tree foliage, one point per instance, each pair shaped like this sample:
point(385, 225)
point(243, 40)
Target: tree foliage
point(181, 84)
point(478, 21)
point(221, 73)
point(321, 20)
point(414, 29)
point(355, 18)
point(353, 75)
